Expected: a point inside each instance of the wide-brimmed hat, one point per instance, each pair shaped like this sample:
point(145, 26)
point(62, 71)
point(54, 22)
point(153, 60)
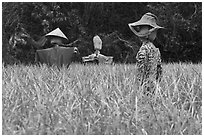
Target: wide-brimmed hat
point(57, 33)
point(148, 19)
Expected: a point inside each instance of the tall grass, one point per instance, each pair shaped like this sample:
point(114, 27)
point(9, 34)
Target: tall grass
point(99, 99)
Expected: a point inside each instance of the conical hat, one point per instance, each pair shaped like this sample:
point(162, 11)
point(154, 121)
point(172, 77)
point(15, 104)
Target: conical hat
point(57, 32)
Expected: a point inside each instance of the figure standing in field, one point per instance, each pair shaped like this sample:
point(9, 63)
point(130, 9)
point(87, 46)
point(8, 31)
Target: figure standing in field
point(96, 56)
point(97, 46)
point(149, 57)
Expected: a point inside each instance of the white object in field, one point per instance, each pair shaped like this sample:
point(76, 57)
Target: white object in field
point(101, 58)
point(97, 42)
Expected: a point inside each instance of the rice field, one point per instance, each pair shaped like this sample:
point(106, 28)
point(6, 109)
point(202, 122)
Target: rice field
point(100, 100)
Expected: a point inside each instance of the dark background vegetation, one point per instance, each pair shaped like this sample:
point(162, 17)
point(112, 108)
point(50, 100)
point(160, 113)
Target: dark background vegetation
point(181, 40)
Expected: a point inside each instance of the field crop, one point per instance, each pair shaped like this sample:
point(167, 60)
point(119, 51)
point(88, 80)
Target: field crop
point(100, 99)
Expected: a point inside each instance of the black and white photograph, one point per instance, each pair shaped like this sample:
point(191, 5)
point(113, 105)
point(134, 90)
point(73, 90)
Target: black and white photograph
point(101, 68)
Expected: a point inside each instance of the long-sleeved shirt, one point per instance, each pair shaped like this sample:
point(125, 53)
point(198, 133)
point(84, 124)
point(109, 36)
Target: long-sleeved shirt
point(148, 62)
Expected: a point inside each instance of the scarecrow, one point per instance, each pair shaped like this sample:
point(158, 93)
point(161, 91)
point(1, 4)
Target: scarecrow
point(57, 54)
point(148, 58)
point(96, 56)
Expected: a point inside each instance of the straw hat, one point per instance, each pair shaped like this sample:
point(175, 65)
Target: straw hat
point(147, 19)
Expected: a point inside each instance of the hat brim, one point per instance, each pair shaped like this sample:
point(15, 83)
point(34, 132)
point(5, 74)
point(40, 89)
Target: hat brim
point(143, 33)
point(58, 33)
point(140, 23)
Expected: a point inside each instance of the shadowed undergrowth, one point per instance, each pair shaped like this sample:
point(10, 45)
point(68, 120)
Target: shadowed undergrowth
point(99, 99)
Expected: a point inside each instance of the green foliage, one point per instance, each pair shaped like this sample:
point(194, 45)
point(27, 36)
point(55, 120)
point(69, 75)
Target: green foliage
point(98, 99)
point(180, 41)
point(183, 34)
